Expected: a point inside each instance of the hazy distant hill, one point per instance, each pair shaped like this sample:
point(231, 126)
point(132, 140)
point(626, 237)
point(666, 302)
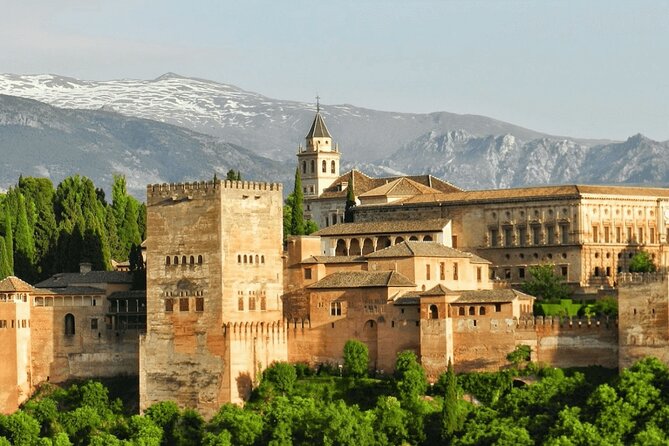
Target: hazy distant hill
point(468, 150)
point(475, 162)
point(270, 127)
point(37, 139)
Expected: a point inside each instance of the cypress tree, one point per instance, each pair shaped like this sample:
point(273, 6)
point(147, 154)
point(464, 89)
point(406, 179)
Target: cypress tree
point(297, 214)
point(24, 251)
point(350, 202)
point(450, 415)
point(4, 262)
point(9, 240)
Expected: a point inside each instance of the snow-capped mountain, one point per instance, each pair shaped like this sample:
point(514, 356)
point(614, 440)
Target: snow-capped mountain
point(475, 162)
point(40, 140)
point(103, 136)
point(269, 127)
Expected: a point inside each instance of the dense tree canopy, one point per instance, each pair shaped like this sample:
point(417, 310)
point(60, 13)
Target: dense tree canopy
point(46, 230)
point(591, 406)
point(544, 284)
point(642, 262)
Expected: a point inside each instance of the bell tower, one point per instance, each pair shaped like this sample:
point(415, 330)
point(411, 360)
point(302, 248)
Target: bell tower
point(318, 160)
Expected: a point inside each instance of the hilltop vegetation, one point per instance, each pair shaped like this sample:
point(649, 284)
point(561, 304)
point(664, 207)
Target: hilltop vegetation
point(44, 230)
point(296, 405)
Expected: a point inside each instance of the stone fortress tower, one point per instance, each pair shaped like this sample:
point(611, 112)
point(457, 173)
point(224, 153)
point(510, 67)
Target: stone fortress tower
point(318, 161)
point(214, 288)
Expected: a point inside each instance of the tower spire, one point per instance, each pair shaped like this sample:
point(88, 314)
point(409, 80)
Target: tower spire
point(318, 103)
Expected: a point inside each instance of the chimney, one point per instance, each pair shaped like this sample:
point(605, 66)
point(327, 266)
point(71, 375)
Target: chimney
point(85, 267)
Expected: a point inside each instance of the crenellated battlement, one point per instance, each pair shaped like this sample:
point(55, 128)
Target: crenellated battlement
point(631, 279)
point(205, 187)
point(562, 323)
point(254, 328)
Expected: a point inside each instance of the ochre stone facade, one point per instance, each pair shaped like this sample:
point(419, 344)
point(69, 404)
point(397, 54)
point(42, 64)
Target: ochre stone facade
point(214, 288)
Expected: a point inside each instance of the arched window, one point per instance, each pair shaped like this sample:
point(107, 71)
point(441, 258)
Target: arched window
point(434, 312)
point(257, 258)
point(183, 260)
point(482, 310)
point(245, 259)
point(263, 302)
point(167, 260)
point(239, 258)
point(461, 311)
point(332, 167)
point(176, 260)
point(427, 238)
point(199, 259)
point(472, 311)
point(262, 259)
point(192, 260)
point(251, 259)
point(252, 303)
point(325, 166)
point(69, 324)
point(304, 167)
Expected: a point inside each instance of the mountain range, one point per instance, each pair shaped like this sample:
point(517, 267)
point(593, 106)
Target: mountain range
point(175, 128)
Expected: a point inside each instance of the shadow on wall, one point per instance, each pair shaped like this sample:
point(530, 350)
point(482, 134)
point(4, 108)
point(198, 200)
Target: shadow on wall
point(244, 385)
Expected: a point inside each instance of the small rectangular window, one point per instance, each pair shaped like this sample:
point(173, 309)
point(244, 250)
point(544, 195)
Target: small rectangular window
point(550, 234)
point(307, 273)
point(564, 234)
point(607, 236)
point(522, 236)
point(454, 241)
point(595, 234)
point(521, 273)
point(508, 236)
point(455, 270)
point(618, 234)
point(199, 304)
point(498, 308)
point(641, 236)
point(536, 235)
point(442, 271)
point(479, 273)
point(564, 270)
point(183, 304)
point(427, 272)
point(494, 234)
point(335, 308)
point(94, 324)
point(169, 305)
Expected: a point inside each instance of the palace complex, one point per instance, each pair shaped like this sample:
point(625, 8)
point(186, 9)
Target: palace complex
point(424, 266)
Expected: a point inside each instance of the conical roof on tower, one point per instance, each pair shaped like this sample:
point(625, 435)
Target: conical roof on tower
point(318, 128)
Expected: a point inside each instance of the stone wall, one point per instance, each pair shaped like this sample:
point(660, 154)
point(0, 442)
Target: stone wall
point(230, 235)
point(643, 308)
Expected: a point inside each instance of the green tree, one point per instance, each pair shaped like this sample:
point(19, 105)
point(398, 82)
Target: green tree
point(350, 202)
point(188, 430)
point(233, 175)
point(281, 376)
point(297, 210)
point(166, 415)
point(521, 354)
point(9, 239)
point(410, 379)
point(310, 227)
point(545, 284)
point(245, 427)
point(19, 428)
point(642, 262)
point(451, 419)
point(356, 358)
point(390, 421)
point(24, 243)
point(5, 269)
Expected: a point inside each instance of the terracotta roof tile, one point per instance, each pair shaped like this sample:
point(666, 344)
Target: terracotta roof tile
point(14, 284)
point(363, 279)
point(438, 290)
point(384, 227)
point(500, 295)
point(423, 249)
point(62, 280)
point(70, 290)
point(363, 183)
point(402, 186)
point(334, 259)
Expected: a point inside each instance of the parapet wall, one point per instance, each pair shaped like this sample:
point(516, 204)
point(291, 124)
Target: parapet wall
point(204, 187)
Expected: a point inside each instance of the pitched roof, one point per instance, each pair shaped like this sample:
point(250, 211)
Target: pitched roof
point(363, 279)
point(335, 259)
point(70, 290)
point(500, 295)
point(132, 294)
point(384, 227)
point(318, 128)
point(13, 284)
point(438, 290)
point(62, 280)
point(363, 183)
point(402, 186)
point(534, 193)
point(423, 249)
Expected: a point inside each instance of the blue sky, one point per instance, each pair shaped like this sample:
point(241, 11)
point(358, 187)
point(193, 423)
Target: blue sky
point(597, 69)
